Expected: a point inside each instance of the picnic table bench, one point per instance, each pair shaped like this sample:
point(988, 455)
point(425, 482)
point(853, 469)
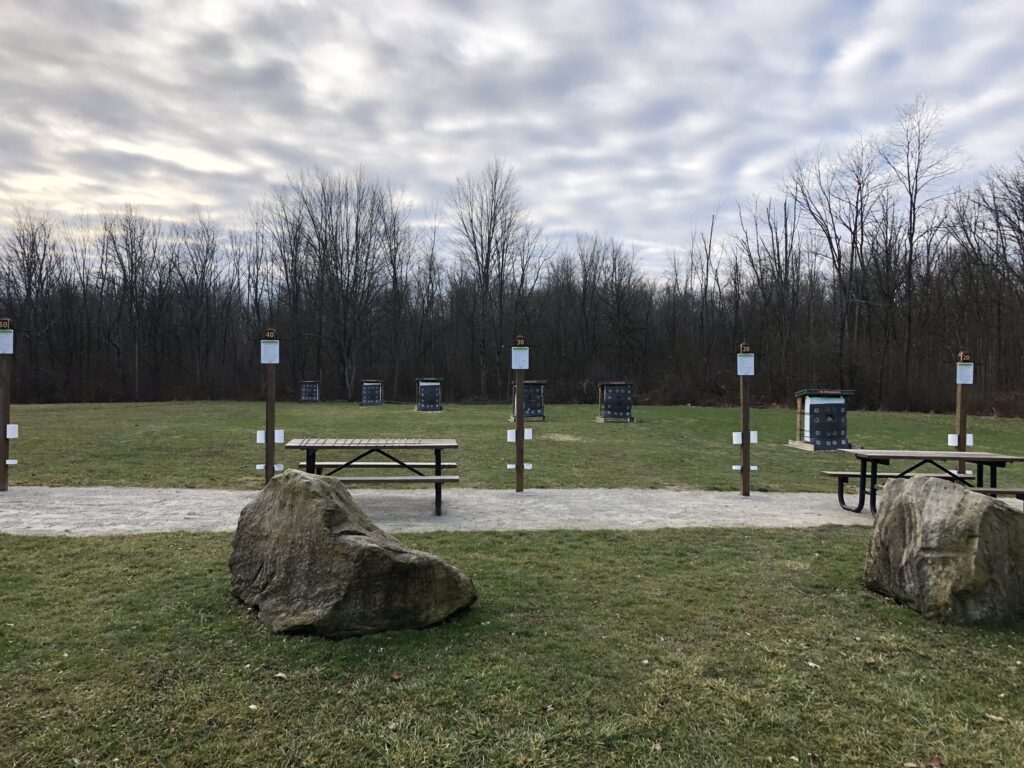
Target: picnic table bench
point(868, 478)
point(388, 448)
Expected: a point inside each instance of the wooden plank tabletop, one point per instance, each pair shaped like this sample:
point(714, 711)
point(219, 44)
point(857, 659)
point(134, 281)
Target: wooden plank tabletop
point(968, 456)
point(365, 443)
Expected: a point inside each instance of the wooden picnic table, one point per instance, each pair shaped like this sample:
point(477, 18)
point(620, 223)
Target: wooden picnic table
point(388, 448)
point(936, 459)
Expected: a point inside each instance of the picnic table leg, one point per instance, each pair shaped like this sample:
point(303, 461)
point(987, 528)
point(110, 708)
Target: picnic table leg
point(311, 461)
point(437, 485)
point(874, 486)
point(841, 491)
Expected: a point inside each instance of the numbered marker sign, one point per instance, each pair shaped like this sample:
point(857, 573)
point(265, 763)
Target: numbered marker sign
point(965, 373)
point(520, 358)
point(270, 352)
point(745, 364)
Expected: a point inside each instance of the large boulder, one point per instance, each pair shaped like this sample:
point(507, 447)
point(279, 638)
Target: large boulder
point(306, 557)
point(948, 552)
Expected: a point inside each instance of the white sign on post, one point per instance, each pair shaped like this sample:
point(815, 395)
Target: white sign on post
point(745, 364)
point(952, 440)
point(965, 373)
point(261, 436)
point(7, 342)
point(520, 358)
point(270, 352)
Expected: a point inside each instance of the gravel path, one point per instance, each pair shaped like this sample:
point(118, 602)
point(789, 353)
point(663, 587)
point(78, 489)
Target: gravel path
point(95, 511)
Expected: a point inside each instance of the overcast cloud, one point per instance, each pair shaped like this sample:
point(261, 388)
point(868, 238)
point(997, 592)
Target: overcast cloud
point(634, 119)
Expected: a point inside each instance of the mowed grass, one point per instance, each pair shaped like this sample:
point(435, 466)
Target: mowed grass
point(672, 647)
point(212, 444)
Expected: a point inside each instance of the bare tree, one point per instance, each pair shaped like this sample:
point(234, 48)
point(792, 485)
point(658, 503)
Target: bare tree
point(493, 237)
point(130, 244)
point(839, 197)
point(919, 162)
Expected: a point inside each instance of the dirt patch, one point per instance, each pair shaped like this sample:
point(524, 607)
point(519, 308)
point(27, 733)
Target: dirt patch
point(560, 437)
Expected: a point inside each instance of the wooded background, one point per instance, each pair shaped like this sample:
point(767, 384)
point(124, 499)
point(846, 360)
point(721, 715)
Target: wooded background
point(870, 269)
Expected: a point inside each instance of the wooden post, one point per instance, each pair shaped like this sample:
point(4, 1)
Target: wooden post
point(6, 382)
point(961, 413)
point(270, 362)
point(269, 442)
point(520, 421)
point(744, 430)
point(799, 418)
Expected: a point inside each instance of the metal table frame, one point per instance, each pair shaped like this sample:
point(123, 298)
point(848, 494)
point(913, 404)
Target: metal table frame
point(381, 446)
point(920, 458)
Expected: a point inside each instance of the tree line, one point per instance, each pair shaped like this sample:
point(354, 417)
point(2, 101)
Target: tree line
point(869, 269)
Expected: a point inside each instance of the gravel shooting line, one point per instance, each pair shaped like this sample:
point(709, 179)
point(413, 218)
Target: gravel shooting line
point(39, 510)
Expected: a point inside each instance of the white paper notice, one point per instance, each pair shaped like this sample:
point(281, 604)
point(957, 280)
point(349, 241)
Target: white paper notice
point(261, 436)
point(520, 358)
point(527, 434)
point(12, 431)
point(7, 342)
point(951, 440)
point(745, 364)
point(270, 352)
point(513, 466)
point(278, 435)
point(965, 373)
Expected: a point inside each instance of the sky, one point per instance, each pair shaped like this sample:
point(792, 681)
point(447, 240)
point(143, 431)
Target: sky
point(633, 119)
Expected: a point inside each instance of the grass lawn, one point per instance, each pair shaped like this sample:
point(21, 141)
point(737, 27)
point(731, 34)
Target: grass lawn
point(212, 444)
point(674, 647)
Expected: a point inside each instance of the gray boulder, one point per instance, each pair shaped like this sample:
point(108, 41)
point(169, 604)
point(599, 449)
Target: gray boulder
point(948, 552)
point(306, 557)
